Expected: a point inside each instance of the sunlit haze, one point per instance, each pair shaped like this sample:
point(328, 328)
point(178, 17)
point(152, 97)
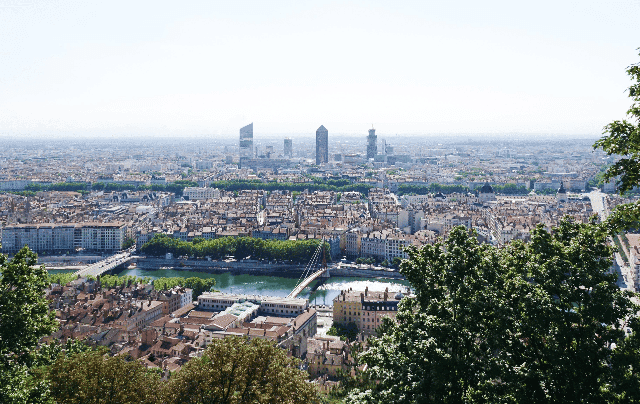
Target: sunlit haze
point(77, 68)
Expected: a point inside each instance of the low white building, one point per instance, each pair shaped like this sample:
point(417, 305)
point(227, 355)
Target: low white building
point(269, 305)
point(196, 193)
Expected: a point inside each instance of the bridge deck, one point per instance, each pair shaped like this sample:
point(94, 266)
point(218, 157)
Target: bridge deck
point(306, 282)
point(105, 265)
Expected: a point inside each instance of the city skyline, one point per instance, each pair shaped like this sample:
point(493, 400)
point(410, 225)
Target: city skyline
point(413, 68)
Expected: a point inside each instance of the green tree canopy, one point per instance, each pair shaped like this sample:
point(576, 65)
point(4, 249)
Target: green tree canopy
point(24, 319)
point(623, 139)
point(540, 322)
point(92, 377)
point(235, 370)
point(24, 312)
point(296, 251)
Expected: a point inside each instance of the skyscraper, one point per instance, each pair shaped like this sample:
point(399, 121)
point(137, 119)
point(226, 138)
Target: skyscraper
point(322, 145)
point(246, 141)
point(288, 148)
point(372, 144)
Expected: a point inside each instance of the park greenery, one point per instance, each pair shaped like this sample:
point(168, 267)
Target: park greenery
point(61, 278)
point(176, 187)
point(316, 185)
point(197, 284)
point(293, 251)
point(507, 189)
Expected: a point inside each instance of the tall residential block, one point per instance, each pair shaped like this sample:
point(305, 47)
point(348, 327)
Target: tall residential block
point(246, 141)
point(59, 238)
point(322, 145)
point(288, 148)
point(372, 144)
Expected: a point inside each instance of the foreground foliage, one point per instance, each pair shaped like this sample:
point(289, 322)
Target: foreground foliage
point(24, 319)
point(93, 377)
point(540, 322)
point(622, 138)
point(234, 370)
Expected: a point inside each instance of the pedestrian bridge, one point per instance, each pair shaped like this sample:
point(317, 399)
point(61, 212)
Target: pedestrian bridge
point(324, 272)
point(307, 276)
point(106, 264)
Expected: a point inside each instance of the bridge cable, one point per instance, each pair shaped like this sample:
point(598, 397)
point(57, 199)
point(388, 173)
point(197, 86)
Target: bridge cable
point(307, 271)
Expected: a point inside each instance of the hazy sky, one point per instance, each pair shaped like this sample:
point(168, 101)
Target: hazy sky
point(408, 67)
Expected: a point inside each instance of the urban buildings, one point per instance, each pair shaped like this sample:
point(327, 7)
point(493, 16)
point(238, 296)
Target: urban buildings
point(365, 308)
point(372, 144)
point(246, 141)
point(322, 145)
point(288, 148)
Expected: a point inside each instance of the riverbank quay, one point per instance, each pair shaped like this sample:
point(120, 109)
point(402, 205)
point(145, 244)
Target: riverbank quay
point(259, 268)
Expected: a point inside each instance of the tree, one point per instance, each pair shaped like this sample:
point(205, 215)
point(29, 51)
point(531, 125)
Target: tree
point(235, 370)
point(537, 322)
point(24, 312)
point(92, 377)
point(623, 139)
point(24, 319)
point(128, 242)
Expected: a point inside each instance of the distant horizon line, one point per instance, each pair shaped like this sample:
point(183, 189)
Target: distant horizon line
point(271, 136)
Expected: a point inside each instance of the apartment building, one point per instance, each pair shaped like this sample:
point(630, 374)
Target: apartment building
point(386, 244)
point(102, 237)
point(365, 308)
point(52, 238)
point(41, 238)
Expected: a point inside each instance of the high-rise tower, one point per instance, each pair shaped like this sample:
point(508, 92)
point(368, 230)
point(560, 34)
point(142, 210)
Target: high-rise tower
point(372, 144)
point(288, 147)
point(246, 141)
point(322, 145)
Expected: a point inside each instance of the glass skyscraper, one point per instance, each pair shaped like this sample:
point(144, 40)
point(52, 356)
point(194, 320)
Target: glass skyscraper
point(288, 147)
point(246, 141)
point(372, 144)
point(322, 145)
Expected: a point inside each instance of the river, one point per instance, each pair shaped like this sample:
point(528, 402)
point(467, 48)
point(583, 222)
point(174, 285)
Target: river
point(279, 286)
